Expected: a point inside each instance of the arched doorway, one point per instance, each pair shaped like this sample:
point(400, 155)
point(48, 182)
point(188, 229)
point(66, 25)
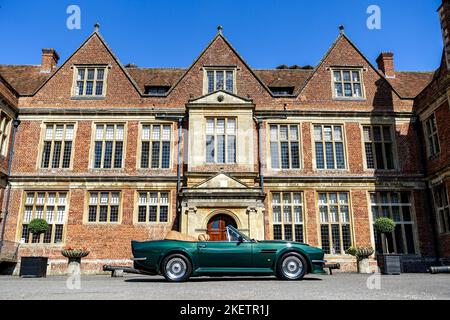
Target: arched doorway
point(217, 227)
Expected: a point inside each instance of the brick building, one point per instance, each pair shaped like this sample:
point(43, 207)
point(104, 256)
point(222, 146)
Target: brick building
point(108, 153)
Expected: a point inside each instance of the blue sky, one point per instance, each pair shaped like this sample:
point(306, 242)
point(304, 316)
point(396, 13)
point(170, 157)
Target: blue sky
point(266, 33)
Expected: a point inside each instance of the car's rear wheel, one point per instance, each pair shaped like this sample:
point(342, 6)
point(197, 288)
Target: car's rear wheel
point(291, 266)
point(176, 268)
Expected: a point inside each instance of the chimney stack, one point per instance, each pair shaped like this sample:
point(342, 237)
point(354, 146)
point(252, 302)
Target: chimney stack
point(385, 63)
point(444, 16)
point(49, 60)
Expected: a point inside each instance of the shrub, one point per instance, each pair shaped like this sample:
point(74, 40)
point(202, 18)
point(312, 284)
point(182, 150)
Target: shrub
point(38, 226)
point(384, 225)
point(360, 252)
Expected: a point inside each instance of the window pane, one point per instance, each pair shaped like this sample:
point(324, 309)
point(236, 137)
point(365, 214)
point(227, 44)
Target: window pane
point(46, 154)
point(220, 149)
point(340, 162)
point(118, 155)
point(219, 80)
point(108, 154)
point(317, 133)
point(274, 155)
point(231, 149)
point(231, 126)
point(210, 76)
point(284, 155)
point(145, 154)
point(338, 92)
point(210, 149)
point(337, 76)
point(67, 154)
point(335, 234)
point(295, 155)
point(324, 234)
point(329, 155)
point(165, 160)
point(355, 76)
point(348, 89)
point(229, 86)
point(346, 75)
point(277, 232)
point(320, 162)
point(56, 154)
point(369, 156)
point(155, 154)
point(273, 133)
point(298, 233)
point(277, 214)
point(288, 232)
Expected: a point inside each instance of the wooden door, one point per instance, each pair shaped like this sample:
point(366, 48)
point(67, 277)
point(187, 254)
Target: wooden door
point(217, 227)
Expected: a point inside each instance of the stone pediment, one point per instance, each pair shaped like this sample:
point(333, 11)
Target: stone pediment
point(220, 181)
point(220, 97)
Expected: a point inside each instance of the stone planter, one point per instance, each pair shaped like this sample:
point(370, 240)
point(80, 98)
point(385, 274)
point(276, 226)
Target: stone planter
point(74, 256)
point(363, 265)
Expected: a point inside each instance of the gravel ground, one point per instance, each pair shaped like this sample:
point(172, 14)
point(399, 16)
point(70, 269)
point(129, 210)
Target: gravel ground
point(338, 286)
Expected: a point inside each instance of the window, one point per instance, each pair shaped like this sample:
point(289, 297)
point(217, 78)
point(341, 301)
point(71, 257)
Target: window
point(220, 140)
point(397, 206)
point(50, 206)
point(442, 208)
point(156, 90)
point(282, 91)
point(284, 146)
point(432, 137)
point(57, 147)
point(5, 128)
point(153, 206)
point(104, 206)
point(155, 146)
point(329, 142)
point(287, 216)
point(90, 81)
point(378, 147)
point(334, 222)
point(347, 84)
point(108, 146)
point(220, 80)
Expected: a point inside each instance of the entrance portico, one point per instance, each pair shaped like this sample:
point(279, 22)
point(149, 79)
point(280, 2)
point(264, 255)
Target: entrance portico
point(221, 200)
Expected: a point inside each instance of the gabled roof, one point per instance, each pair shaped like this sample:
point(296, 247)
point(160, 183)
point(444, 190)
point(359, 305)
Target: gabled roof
point(399, 86)
point(221, 180)
point(27, 79)
point(220, 35)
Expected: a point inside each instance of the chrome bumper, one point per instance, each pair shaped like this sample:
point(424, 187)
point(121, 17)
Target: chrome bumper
point(139, 259)
point(318, 261)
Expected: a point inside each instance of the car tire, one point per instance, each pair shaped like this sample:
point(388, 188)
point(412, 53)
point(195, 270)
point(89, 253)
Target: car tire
point(176, 268)
point(291, 266)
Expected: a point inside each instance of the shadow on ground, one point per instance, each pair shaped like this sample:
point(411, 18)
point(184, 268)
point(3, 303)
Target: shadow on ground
point(217, 279)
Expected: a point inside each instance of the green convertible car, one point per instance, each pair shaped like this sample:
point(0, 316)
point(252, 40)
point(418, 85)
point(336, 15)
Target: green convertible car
point(178, 260)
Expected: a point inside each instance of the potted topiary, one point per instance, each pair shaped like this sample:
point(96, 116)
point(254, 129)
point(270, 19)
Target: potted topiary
point(74, 255)
point(362, 255)
point(388, 263)
point(35, 266)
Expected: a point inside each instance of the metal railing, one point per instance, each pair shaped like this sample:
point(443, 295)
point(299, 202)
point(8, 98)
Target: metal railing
point(8, 251)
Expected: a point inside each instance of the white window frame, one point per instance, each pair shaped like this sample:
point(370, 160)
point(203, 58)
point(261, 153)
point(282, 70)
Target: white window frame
point(151, 139)
point(333, 141)
point(52, 140)
point(432, 135)
point(224, 70)
point(442, 211)
point(289, 140)
point(5, 130)
point(226, 134)
point(390, 204)
point(383, 142)
point(158, 204)
point(104, 140)
point(76, 80)
point(108, 204)
point(352, 83)
point(292, 205)
point(45, 202)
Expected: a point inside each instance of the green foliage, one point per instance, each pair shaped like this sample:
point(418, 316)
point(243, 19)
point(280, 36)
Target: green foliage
point(384, 225)
point(38, 226)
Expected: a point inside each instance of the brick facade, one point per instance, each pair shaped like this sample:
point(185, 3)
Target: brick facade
point(387, 100)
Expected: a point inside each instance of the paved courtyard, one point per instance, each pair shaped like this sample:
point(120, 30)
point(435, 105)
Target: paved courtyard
point(338, 286)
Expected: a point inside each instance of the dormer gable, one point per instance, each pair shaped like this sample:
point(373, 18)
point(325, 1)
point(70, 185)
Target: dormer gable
point(221, 180)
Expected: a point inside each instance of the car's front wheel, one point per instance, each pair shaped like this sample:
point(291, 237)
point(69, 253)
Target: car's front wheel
point(176, 268)
point(291, 266)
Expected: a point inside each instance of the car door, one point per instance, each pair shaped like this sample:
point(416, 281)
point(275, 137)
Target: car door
point(225, 254)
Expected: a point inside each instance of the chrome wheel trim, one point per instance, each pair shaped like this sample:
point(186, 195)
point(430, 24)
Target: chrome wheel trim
point(292, 267)
point(176, 268)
